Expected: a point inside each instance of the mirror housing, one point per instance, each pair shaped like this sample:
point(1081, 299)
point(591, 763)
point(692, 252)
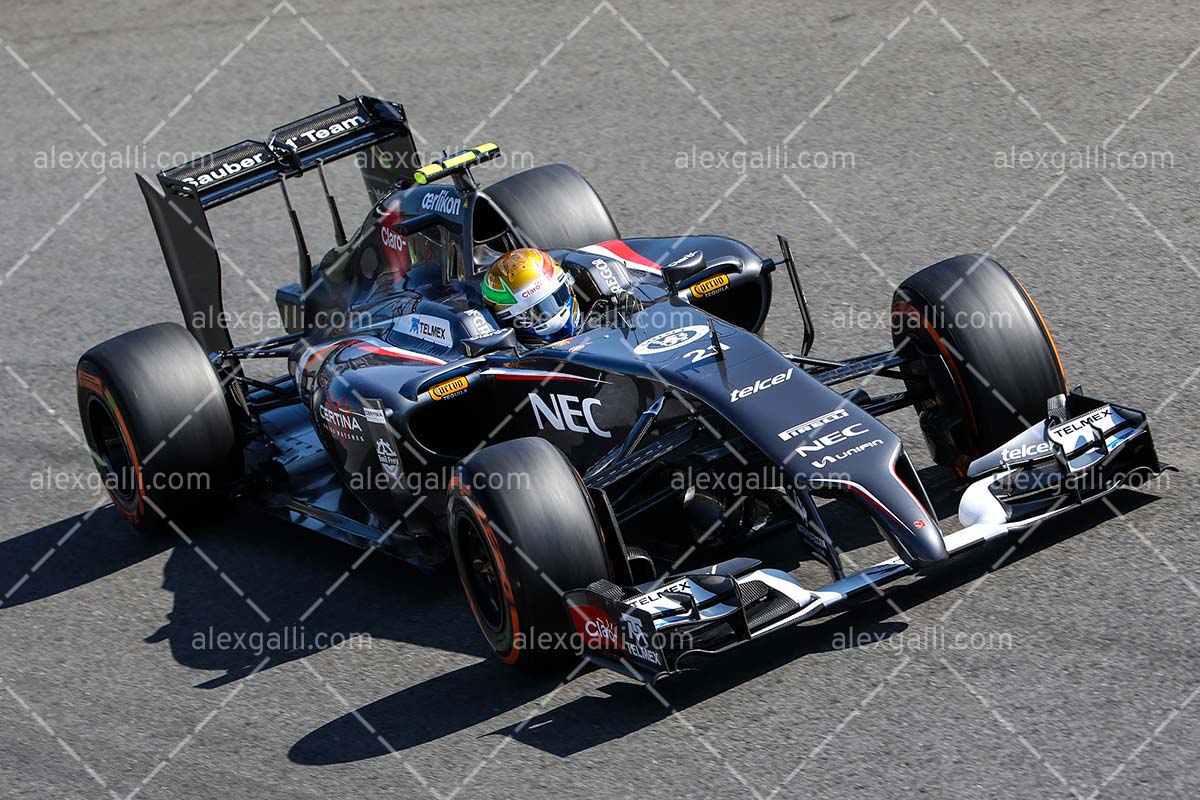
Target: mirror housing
point(504, 339)
point(686, 266)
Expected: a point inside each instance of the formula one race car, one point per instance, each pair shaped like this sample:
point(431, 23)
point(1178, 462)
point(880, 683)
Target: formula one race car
point(578, 487)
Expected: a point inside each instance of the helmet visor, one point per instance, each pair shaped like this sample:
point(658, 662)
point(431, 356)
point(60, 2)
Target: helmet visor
point(544, 310)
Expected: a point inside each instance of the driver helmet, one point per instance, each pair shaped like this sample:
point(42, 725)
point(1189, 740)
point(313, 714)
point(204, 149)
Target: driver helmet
point(527, 290)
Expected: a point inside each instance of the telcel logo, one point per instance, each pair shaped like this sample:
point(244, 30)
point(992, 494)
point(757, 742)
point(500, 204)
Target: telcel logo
point(1026, 451)
point(758, 386)
point(829, 439)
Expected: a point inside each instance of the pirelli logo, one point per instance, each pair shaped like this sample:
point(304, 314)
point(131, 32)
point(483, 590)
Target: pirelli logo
point(713, 285)
point(89, 381)
point(449, 388)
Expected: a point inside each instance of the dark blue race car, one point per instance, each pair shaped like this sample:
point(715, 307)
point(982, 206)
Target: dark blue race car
point(594, 492)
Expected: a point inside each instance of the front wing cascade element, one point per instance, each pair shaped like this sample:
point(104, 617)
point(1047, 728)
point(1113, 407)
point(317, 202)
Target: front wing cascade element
point(1085, 450)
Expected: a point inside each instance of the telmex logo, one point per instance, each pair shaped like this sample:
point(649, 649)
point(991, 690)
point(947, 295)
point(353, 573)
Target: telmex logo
point(817, 445)
point(711, 285)
point(816, 423)
point(449, 388)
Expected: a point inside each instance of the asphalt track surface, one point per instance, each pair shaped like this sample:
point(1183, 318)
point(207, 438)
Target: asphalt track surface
point(1064, 667)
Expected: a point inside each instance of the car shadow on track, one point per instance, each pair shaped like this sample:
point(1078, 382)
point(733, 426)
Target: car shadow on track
point(244, 589)
point(71, 553)
point(470, 696)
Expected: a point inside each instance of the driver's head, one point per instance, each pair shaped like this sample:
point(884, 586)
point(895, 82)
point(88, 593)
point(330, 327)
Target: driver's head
point(528, 290)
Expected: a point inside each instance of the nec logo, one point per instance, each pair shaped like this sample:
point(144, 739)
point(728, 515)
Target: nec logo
point(567, 413)
point(817, 445)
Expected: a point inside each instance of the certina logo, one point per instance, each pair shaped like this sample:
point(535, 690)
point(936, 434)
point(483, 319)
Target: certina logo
point(830, 439)
point(1026, 451)
point(825, 461)
point(314, 135)
point(227, 170)
point(444, 202)
point(391, 239)
point(670, 340)
point(759, 385)
point(816, 423)
point(567, 413)
point(340, 422)
point(422, 326)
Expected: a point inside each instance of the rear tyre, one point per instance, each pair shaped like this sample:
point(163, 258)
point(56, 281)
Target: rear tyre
point(155, 419)
point(523, 530)
point(552, 207)
point(987, 363)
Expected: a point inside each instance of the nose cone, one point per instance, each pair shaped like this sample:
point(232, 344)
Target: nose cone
point(921, 543)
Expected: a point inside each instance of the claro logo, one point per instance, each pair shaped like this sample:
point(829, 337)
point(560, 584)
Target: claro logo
point(830, 439)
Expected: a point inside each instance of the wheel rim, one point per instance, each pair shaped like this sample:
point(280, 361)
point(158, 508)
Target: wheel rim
point(480, 575)
point(111, 447)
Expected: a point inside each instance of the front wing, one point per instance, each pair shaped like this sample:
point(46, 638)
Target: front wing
point(648, 630)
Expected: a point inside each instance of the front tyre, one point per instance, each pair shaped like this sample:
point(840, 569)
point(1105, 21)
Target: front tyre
point(523, 531)
point(156, 423)
point(987, 363)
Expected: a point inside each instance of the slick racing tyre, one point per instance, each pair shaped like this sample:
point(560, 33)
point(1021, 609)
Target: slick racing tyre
point(523, 530)
point(156, 422)
point(986, 361)
point(552, 207)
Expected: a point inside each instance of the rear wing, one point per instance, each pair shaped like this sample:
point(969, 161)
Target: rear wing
point(375, 129)
point(350, 127)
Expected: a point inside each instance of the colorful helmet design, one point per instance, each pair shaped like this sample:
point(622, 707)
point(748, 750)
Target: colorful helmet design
point(528, 290)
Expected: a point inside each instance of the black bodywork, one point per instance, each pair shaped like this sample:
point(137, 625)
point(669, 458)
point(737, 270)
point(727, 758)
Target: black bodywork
point(396, 371)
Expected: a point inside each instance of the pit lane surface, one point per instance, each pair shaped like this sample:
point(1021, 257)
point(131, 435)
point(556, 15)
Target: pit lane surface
point(1068, 671)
